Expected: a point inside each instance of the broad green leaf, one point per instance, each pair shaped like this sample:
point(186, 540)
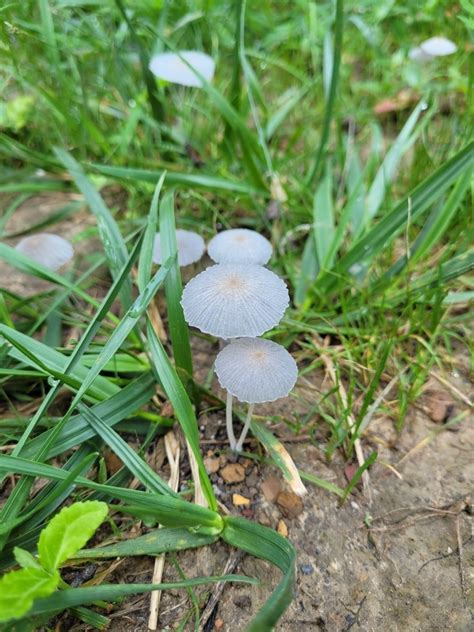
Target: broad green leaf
point(25, 559)
point(112, 240)
point(18, 590)
point(69, 531)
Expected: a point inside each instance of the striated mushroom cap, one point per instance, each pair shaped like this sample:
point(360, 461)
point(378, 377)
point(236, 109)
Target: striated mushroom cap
point(51, 251)
point(172, 67)
point(191, 247)
point(234, 300)
point(240, 245)
point(255, 370)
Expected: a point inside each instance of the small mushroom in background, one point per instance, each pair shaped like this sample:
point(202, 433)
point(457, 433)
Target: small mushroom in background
point(235, 300)
point(254, 371)
point(172, 67)
point(431, 48)
point(191, 247)
point(51, 251)
point(240, 245)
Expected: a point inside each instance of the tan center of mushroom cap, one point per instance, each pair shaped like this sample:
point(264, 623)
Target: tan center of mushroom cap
point(241, 238)
point(232, 283)
point(259, 356)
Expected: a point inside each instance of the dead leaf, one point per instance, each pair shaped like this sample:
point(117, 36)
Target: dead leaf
point(271, 487)
point(290, 504)
point(112, 462)
point(233, 473)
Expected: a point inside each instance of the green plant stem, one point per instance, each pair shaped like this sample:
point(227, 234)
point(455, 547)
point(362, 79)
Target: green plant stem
point(328, 114)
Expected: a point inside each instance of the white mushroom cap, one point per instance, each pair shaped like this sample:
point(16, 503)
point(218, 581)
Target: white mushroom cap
point(255, 370)
point(191, 247)
point(240, 245)
point(172, 67)
point(51, 251)
point(234, 300)
point(438, 47)
point(417, 54)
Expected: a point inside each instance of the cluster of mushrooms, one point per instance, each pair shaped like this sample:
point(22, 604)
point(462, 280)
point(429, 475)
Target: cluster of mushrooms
point(238, 300)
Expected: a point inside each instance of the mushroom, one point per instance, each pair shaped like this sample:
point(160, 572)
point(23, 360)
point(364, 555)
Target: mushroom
point(175, 67)
point(51, 251)
point(433, 47)
point(240, 245)
point(235, 300)
point(191, 247)
point(253, 370)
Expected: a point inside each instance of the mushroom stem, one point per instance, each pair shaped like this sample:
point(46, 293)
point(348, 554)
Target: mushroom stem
point(228, 422)
point(245, 430)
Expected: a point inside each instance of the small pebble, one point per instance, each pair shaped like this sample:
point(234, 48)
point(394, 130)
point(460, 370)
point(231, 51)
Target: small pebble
point(306, 569)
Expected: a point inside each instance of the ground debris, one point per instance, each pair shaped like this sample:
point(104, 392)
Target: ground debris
point(233, 473)
point(290, 504)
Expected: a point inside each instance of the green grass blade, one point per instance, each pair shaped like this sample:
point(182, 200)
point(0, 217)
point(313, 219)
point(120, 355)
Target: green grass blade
point(112, 240)
point(113, 410)
point(175, 178)
point(411, 207)
point(384, 176)
point(178, 327)
point(331, 99)
point(145, 262)
point(182, 406)
point(139, 468)
point(73, 597)
point(323, 219)
point(154, 542)
point(268, 545)
point(358, 475)
point(172, 512)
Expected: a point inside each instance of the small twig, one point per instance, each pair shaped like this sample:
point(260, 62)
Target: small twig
point(172, 453)
point(464, 588)
point(230, 566)
point(453, 389)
